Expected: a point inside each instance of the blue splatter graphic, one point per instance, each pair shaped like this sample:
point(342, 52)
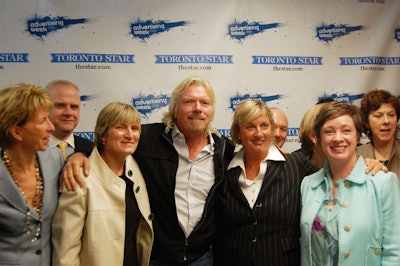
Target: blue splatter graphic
point(41, 27)
point(327, 33)
point(234, 101)
point(397, 34)
point(343, 97)
point(87, 98)
point(143, 30)
point(147, 104)
point(241, 30)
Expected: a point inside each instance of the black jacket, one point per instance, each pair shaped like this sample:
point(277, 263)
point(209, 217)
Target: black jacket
point(158, 161)
point(268, 233)
point(83, 145)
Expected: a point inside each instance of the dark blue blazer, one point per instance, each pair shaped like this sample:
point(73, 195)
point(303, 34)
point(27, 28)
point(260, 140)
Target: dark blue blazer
point(268, 233)
point(83, 145)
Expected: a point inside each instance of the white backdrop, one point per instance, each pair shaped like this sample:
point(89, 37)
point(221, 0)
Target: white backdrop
point(289, 53)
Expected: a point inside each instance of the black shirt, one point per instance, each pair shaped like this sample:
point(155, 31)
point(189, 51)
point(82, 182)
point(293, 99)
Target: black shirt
point(132, 218)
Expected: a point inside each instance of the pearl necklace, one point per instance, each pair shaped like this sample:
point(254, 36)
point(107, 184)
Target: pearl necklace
point(37, 200)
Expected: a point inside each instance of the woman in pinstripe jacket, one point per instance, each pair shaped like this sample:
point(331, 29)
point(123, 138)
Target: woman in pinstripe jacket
point(259, 202)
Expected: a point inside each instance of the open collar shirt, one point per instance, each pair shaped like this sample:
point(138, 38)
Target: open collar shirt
point(194, 180)
point(251, 188)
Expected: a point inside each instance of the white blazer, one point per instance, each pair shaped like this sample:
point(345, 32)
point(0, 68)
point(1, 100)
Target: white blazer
point(89, 224)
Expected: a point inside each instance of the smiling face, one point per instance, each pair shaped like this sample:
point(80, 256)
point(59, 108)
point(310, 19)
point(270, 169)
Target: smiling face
point(66, 111)
point(382, 123)
point(121, 139)
point(281, 127)
point(256, 136)
point(194, 110)
point(35, 133)
point(338, 139)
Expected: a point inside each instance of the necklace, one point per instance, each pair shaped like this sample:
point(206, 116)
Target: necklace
point(37, 200)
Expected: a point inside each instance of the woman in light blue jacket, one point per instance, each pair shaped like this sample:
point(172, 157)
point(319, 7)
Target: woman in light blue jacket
point(29, 173)
point(348, 217)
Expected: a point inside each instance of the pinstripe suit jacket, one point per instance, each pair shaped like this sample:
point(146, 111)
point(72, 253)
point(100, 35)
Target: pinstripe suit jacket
point(268, 234)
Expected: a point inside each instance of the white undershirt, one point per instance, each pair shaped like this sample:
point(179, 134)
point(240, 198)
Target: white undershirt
point(251, 188)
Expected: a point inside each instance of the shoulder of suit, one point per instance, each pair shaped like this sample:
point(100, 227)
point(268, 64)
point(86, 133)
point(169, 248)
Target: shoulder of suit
point(82, 139)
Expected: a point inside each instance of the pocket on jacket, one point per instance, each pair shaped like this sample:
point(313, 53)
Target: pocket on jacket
point(373, 255)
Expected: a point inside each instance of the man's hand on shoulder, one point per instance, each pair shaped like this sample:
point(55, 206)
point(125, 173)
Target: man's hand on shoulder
point(71, 173)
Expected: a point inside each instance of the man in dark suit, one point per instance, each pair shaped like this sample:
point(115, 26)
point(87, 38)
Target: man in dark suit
point(65, 117)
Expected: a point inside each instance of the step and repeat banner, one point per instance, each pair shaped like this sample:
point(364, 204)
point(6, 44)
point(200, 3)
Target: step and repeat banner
point(289, 53)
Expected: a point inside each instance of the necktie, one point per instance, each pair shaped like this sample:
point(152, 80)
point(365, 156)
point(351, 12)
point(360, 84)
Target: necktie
point(63, 148)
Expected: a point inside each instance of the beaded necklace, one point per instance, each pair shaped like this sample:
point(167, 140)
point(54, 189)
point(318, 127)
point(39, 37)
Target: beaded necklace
point(37, 200)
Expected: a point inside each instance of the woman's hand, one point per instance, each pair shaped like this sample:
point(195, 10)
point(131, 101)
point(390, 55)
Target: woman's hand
point(374, 166)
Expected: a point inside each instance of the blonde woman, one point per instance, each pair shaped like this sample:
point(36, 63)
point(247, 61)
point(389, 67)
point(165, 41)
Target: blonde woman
point(108, 222)
point(29, 173)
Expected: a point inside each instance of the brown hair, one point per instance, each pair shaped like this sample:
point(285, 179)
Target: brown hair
point(372, 101)
point(332, 110)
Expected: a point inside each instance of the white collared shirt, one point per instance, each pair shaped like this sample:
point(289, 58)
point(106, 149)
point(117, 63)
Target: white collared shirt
point(251, 188)
point(194, 180)
point(70, 140)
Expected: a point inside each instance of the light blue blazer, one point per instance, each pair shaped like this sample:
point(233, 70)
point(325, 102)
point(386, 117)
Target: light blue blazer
point(15, 247)
point(369, 218)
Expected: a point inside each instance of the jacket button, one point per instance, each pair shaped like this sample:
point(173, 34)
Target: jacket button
point(254, 240)
point(137, 189)
point(345, 204)
point(347, 228)
point(38, 252)
point(347, 184)
point(378, 251)
point(130, 173)
point(151, 216)
point(347, 254)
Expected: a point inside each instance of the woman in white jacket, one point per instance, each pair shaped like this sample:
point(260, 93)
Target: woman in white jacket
point(108, 222)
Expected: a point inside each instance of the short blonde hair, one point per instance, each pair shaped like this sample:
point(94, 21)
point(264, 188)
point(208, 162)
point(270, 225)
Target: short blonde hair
point(18, 104)
point(112, 114)
point(307, 128)
point(247, 111)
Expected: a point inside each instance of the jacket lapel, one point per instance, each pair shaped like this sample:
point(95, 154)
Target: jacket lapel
point(274, 171)
point(10, 191)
